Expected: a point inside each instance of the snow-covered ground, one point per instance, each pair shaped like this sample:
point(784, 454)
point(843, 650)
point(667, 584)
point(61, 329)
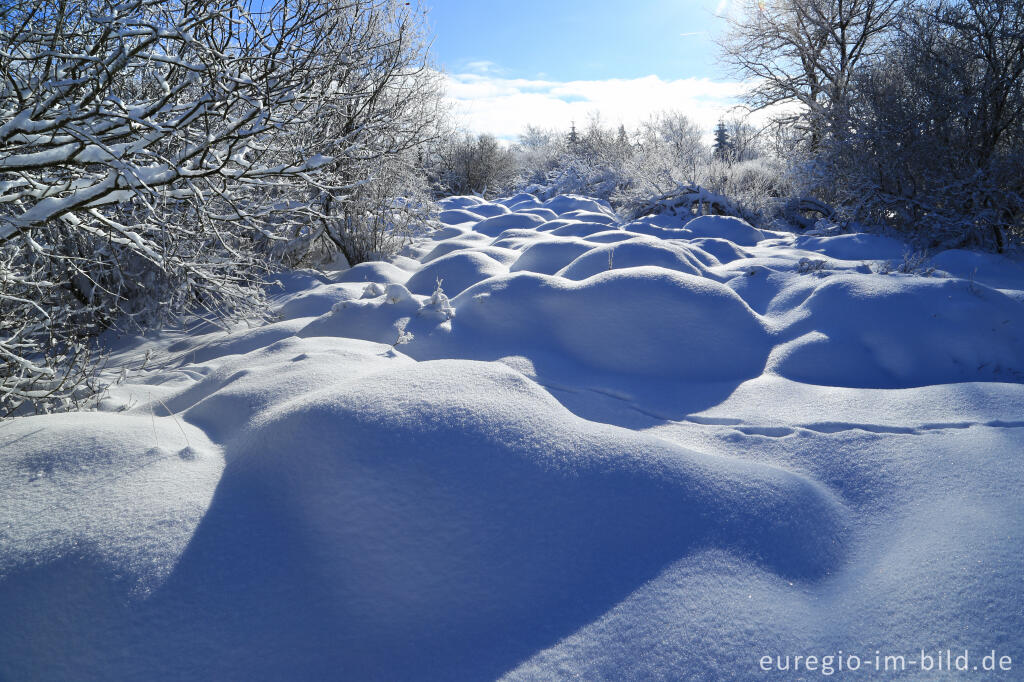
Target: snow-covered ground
point(606, 451)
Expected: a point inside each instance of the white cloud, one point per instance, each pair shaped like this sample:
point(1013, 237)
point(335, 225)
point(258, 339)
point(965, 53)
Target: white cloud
point(485, 103)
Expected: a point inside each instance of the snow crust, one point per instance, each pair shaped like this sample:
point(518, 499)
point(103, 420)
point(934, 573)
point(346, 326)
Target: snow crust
point(540, 444)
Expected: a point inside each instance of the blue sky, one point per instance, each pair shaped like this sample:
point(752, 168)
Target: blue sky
point(510, 63)
point(578, 40)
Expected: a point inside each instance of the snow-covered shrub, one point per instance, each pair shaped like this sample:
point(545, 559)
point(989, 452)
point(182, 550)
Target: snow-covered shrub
point(152, 166)
point(612, 163)
point(373, 194)
point(538, 154)
point(684, 200)
point(665, 159)
point(592, 163)
point(758, 188)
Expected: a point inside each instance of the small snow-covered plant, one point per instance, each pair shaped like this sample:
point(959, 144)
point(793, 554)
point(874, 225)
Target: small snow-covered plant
point(824, 226)
point(611, 258)
point(438, 305)
point(807, 266)
point(403, 335)
point(915, 262)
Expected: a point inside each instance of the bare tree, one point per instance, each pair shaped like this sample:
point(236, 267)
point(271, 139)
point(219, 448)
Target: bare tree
point(802, 55)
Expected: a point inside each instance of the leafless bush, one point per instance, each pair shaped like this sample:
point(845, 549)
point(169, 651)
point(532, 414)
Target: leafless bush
point(468, 164)
point(810, 266)
point(914, 262)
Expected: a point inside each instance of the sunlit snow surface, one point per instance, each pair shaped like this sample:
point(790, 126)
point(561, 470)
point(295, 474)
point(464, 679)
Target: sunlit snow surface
point(609, 451)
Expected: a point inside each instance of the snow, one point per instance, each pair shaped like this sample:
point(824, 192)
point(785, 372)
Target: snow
point(725, 227)
point(854, 246)
point(579, 229)
point(540, 445)
point(458, 271)
point(494, 226)
point(466, 202)
point(490, 210)
point(633, 253)
point(521, 201)
point(382, 273)
point(545, 213)
point(887, 332)
point(549, 256)
point(456, 216)
point(566, 203)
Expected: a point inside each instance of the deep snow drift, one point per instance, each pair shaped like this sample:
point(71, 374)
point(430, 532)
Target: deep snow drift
point(541, 444)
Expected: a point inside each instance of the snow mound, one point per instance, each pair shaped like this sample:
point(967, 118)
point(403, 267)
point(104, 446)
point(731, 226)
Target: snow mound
point(122, 492)
point(723, 250)
point(492, 227)
point(458, 216)
point(504, 256)
point(579, 229)
point(487, 497)
point(489, 210)
point(447, 246)
point(555, 224)
point(458, 271)
point(592, 217)
point(987, 268)
point(382, 273)
point(630, 254)
point(735, 230)
point(522, 200)
point(549, 256)
point(462, 201)
point(854, 246)
point(567, 203)
point(545, 213)
point(643, 321)
point(611, 236)
point(890, 332)
point(296, 314)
